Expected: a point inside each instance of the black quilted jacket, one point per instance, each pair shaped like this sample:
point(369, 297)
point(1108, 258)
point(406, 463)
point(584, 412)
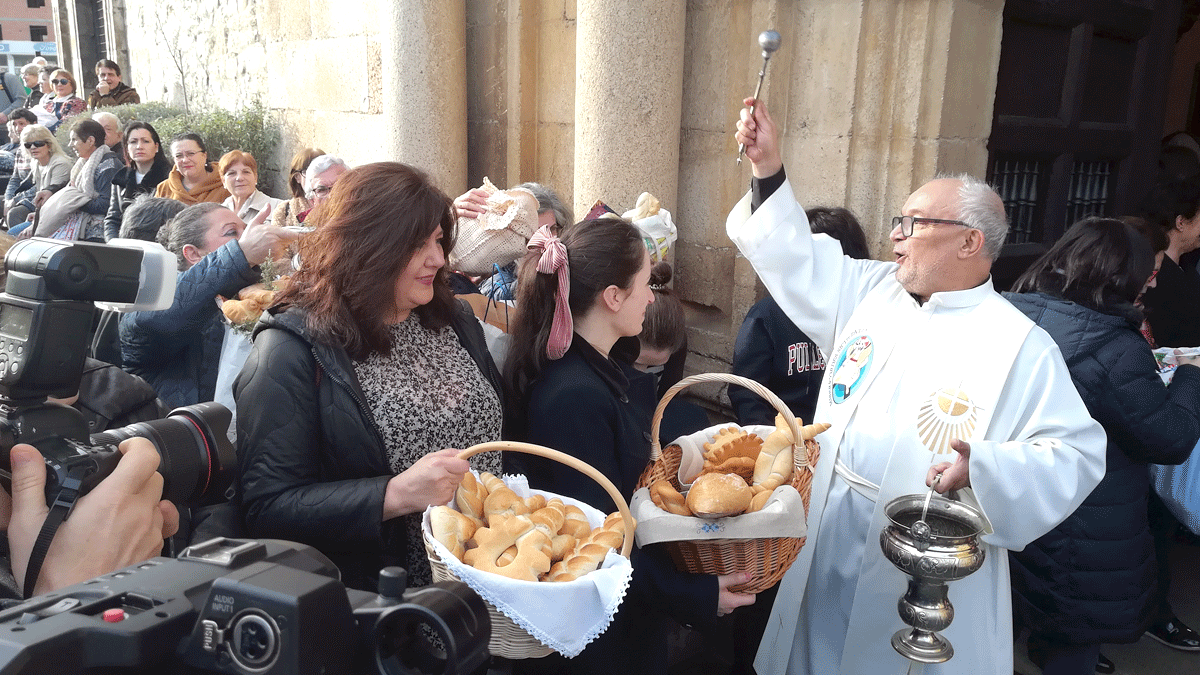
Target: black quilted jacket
point(1090, 579)
point(178, 350)
point(312, 463)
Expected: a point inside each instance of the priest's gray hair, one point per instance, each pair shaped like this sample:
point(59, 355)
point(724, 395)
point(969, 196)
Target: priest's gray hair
point(980, 207)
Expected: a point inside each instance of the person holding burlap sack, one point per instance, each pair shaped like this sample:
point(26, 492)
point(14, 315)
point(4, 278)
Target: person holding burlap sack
point(77, 211)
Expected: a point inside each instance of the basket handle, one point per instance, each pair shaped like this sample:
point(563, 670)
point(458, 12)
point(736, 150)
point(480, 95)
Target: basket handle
point(574, 463)
point(705, 378)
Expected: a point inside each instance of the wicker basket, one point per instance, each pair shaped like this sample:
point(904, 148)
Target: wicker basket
point(766, 559)
point(508, 639)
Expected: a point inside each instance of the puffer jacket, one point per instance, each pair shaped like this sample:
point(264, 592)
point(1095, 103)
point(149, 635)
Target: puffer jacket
point(1090, 579)
point(178, 350)
point(312, 462)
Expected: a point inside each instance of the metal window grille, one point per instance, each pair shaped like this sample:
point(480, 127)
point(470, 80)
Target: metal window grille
point(101, 29)
point(1017, 182)
point(1089, 190)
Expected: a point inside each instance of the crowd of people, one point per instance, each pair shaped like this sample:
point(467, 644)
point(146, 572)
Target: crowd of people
point(372, 367)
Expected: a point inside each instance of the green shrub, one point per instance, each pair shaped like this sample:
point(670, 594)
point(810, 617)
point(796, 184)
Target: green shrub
point(249, 129)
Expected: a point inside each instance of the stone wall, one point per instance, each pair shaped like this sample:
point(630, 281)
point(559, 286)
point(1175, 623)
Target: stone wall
point(606, 98)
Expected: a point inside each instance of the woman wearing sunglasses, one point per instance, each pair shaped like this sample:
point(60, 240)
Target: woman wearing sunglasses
point(51, 171)
point(62, 101)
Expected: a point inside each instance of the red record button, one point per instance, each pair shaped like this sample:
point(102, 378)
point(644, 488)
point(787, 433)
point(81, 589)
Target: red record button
point(114, 615)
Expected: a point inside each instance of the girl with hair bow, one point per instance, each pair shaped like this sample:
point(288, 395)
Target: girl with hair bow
point(580, 306)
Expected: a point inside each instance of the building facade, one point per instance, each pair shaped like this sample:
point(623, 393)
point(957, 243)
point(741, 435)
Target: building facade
point(605, 99)
point(26, 31)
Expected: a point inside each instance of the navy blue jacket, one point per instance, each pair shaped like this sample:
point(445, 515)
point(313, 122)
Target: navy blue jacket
point(771, 350)
point(598, 409)
point(178, 350)
point(1091, 579)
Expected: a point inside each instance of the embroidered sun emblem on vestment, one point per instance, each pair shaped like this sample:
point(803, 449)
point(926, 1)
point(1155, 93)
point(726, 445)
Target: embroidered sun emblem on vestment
point(948, 413)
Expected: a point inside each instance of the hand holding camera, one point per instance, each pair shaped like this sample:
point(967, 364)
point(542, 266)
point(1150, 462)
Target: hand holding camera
point(121, 522)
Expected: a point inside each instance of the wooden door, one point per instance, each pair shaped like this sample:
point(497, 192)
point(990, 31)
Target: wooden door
point(1078, 114)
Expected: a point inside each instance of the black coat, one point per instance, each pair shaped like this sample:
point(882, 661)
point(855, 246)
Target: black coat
point(1173, 305)
point(1091, 578)
point(312, 462)
point(125, 188)
point(599, 410)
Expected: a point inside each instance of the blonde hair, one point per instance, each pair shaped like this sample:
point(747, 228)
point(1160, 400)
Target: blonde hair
point(37, 132)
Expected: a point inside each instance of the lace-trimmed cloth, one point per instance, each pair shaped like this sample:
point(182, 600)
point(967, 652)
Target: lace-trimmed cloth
point(426, 395)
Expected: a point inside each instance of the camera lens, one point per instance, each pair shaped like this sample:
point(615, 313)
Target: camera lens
point(197, 457)
point(441, 629)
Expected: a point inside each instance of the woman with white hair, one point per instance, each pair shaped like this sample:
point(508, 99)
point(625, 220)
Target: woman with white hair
point(30, 73)
point(51, 171)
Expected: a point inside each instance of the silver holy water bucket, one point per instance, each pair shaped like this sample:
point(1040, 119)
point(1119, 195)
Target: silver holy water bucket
point(942, 548)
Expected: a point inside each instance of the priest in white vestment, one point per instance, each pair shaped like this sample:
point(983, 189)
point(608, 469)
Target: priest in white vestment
point(929, 372)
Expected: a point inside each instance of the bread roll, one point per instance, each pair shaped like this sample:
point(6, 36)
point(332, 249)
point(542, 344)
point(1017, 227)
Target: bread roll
point(470, 495)
point(742, 466)
point(531, 560)
point(717, 495)
point(451, 528)
point(576, 523)
point(776, 460)
point(759, 501)
point(666, 497)
point(241, 311)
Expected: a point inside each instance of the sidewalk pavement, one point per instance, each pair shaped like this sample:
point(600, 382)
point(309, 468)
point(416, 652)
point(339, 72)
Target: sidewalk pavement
point(1148, 656)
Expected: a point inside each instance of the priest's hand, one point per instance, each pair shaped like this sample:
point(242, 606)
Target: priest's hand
point(955, 475)
point(758, 133)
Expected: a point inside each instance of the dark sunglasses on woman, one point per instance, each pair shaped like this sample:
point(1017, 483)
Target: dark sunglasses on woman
point(60, 82)
point(34, 144)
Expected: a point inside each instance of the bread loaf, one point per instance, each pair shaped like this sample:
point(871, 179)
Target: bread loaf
point(717, 495)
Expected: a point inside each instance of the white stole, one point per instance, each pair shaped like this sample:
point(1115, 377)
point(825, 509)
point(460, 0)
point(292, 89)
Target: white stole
point(950, 389)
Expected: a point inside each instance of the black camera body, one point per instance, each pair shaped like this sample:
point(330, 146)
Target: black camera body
point(248, 608)
point(46, 317)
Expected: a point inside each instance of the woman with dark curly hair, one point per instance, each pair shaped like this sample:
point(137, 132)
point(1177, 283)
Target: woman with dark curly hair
point(364, 377)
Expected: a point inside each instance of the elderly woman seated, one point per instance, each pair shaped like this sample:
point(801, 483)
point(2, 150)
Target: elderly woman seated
point(178, 350)
point(79, 208)
point(239, 175)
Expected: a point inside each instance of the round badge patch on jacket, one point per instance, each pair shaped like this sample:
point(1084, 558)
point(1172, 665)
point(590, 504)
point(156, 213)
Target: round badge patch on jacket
point(851, 367)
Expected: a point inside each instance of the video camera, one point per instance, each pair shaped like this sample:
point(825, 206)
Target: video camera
point(248, 608)
point(46, 317)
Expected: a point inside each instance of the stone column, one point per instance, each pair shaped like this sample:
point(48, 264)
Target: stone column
point(424, 88)
point(628, 96)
